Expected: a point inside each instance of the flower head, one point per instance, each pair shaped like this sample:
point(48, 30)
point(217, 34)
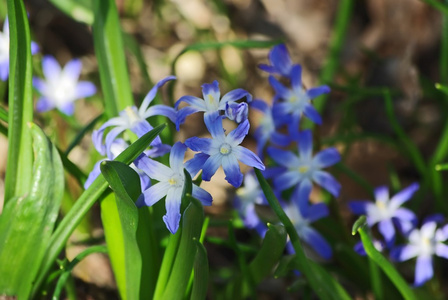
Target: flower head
point(171, 184)
point(222, 150)
point(301, 170)
point(385, 210)
point(4, 51)
point(291, 103)
point(280, 61)
point(61, 87)
point(134, 119)
point(423, 244)
point(212, 104)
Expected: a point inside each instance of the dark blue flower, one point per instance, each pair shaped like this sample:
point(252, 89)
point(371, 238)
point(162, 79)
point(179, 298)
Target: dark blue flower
point(280, 61)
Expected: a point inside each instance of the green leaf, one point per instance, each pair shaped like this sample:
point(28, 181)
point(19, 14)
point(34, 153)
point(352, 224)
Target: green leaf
point(200, 282)
point(120, 219)
point(27, 222)
point(78, 10)
point(192, 220)
point(68, 268)
point(85, 202)
point(20, 157)
point(382, 262)
point(109, 49)
point(322, 283)
point(133, 47)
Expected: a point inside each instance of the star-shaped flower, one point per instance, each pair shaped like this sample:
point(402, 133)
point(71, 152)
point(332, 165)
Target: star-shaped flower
point(171, 184)
point(222, 150)
point(280, 61)
point(61, 87)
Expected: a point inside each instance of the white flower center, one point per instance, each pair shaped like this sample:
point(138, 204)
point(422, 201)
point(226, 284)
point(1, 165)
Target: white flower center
point(63, 90)
point(176, 181)
point(225, 149)
point(4, 47)
point(211, 104)
point(132, 115)
point(298, 100)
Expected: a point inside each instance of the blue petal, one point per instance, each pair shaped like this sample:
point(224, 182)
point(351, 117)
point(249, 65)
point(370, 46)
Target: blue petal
point(381, 194)
point(39, 85)
point(162, 110)
point(387, 229)
point(402, 253)
point(260, 105)
point(211, 89)
point(237, 135)
point(202, 195)
point(140, 128)
point(296, 77)
point(183, 113)
point(326, 158)
point(4, 70)
point(67, 108)
point(237, 112)
point(442, 250)
point(110, 138)
point(234, 95)
point(423, 270)
point(72, 70)
point(96, 171)
point(214, 126)
point(359, 248)
point(312, 114)
point(152, 93)
point(85, 89)
point(404, 195)
point(34, 48)
point(317, 242)
point(359, 207)
point(279, 88)
point(153, 168)
point(196, 102)
point(280, 139)
point(177, 156)
point(172, 204)
point(196, 163)
point(44, 104)
point(287, 180)
point(305, 140)
point(199, 144)
point(210, 166)
point(248, 157)
point(328, 182)
point(302, 194)
point(232, 170)
point(316, 212)
point(266, 68)
point(317, 91)
point(158, 150)
point(153, 194)
point(145, 181)
point(51, 68)
point(282, 157)
point(280, 59)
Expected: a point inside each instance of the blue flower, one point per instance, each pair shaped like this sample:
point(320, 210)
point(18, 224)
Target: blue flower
point(4, 51)
point(267, 129)
point(134, 119)
point(61, 87)
point(280, 61)
point(300, 171)
point(118, 146)
point(171, 184)
point(212, 104)
point(423, 244)
point(386, 210)
point(291, 104)
point(246, 199)
point(302, 215)
point(222, 150)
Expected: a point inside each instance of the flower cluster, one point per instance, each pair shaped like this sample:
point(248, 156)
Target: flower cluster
point(294, 171)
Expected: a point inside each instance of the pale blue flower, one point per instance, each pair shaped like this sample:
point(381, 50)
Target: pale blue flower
point(134, 119)
point(423, 244)
point(300, 171)
point(222, 150)
point(386, 210)
point(171, 184)
point(61, 87)
point(4, 51)
point(212, 104)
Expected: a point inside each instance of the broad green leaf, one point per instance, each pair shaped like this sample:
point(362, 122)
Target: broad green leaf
point(85, 202)
point(381, 261)
point(200, 282)
point(27, 222)
point(68, 268)
point(78, 10)
point(18, 175)
point(120, 219)
point(109, 49)
point(192, 220)
point(322, 283)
